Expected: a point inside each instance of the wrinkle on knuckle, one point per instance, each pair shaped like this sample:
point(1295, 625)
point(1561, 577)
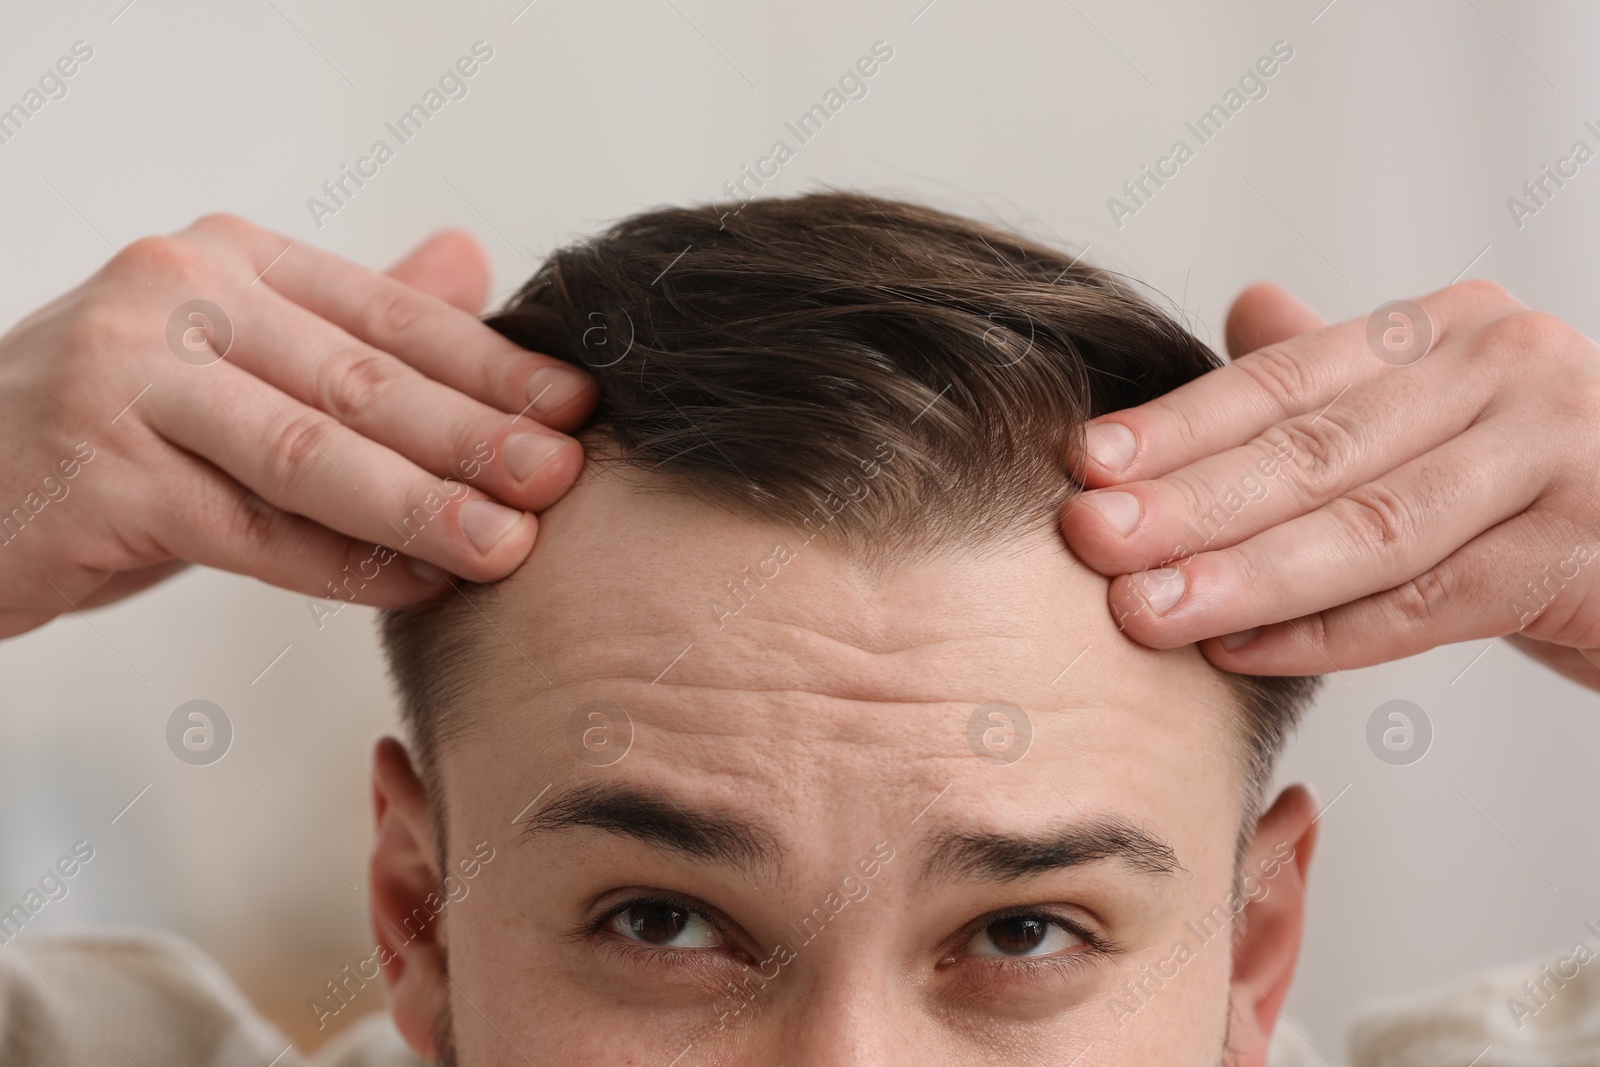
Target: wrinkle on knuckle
point(1421, 600)
point(294, 445)
point(1312, 631)
point(1377, 518)
point(1322, 449)
point(352, 380)
point(1280, 375)
point(253, 523)
point(394, 313)
point(1166, 412)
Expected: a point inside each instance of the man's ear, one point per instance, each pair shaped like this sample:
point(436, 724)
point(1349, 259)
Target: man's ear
point(1267, 943)
point(405, 898)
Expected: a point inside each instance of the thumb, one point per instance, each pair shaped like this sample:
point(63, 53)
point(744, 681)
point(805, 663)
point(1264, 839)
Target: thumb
point(1265, 314)
point(450, 265)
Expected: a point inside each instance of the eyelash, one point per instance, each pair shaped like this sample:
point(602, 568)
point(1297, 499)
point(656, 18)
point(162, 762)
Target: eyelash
point(679, 958)
point(1095, 946)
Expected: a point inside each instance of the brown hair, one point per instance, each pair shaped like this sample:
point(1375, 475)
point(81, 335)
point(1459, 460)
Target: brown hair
point(762, 358)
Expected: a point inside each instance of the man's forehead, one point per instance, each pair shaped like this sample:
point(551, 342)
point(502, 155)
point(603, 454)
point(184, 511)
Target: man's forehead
point(626, 580)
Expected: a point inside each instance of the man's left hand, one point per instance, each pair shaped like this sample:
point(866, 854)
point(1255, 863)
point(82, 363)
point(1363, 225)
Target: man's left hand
point(1326, 502)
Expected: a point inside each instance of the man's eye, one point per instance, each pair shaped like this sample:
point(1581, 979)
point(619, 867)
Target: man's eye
point(1022, 936)
point(665, 926)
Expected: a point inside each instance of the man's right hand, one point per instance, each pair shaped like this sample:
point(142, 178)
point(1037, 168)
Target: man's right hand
point(361, 433)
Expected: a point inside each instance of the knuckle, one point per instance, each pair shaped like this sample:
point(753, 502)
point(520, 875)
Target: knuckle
point(1321, 447)
point(294, 445)
point(394, 312)
point(1424, 598)
point(1314, 632)
point(253, 523)
point(226, 225)
point(352, 380)
point(1282, 376)
point(1524, 335)
point(170, 259)
point(1164, 411)
point(1375, 516)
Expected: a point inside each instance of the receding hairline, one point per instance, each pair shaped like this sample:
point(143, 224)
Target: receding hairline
point(830, 316)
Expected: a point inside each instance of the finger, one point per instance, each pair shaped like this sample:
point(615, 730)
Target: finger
point(450, 265)
point(382, 398)
point(442, 342)
point(216, 522)
point(1265, 314)
point(1291, 468)
point(1371, 539)
point(304, 461)
point(1475, 592)
point(1234, 403)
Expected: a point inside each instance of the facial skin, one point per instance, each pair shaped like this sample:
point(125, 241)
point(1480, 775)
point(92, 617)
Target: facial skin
point(829, 873)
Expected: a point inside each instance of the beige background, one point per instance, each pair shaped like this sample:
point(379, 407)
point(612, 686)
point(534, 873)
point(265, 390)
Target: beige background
point(1377, 167)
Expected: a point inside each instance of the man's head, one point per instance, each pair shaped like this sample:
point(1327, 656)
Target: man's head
point(800, 736)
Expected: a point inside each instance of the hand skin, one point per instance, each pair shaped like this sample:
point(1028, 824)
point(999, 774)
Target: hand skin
point(1447, 500)
point(345, 398)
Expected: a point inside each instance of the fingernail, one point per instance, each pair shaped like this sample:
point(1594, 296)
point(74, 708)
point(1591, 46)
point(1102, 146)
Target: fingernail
point(1234, 641)
point(1120, 509)
point(1161, 589)
point(552, 388)
point(424, 571)
point(485, 523)
point(527, 452)
point(1110, 444)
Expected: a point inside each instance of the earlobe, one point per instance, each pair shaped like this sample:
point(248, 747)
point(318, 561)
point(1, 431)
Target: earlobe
point(1274, 878)
point(403, 873)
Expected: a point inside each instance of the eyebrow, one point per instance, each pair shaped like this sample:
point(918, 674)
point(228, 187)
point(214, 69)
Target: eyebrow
point(654, 818)
point(1011, 857)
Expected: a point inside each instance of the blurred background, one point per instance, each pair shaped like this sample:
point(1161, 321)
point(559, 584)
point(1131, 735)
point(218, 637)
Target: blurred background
point(1377, 165)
